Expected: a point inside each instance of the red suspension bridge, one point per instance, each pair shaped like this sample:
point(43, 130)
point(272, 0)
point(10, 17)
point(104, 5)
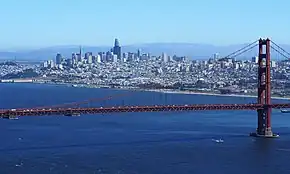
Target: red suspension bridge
point(263, 106)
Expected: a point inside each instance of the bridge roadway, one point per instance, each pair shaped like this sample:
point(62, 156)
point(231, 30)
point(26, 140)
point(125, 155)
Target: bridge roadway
point(7, 113)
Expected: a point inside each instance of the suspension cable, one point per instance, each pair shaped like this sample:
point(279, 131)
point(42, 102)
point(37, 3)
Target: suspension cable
point(279, 52)
point(233, 53)
point(83, 102)
point(244, 51)
point(280, 48)
point(100, 99)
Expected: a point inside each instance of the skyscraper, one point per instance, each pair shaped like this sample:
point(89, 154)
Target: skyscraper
point(79, 55)
point(139, 53)
point(99, 58)
point(255, 59)
point(80, 52)
point(89, 57)
point(74, 58)
point(216, 56)
point(164, 57)
point(117, 49)
point(58, 59)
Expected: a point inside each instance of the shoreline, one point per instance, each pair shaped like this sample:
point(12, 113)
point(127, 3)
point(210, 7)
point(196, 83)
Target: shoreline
point(209, 94)
point(170, 91)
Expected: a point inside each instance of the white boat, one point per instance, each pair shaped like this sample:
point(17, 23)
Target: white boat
point(218, 140)
point(285, 111)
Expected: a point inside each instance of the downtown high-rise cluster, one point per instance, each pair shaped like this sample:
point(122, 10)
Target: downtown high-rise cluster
point(113, 55)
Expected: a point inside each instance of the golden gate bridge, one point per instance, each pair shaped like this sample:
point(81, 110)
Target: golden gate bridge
point(263, 106)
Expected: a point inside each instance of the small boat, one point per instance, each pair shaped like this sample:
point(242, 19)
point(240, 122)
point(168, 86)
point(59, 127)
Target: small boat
point(72, 114)
point(285, 111)
point(218, 140)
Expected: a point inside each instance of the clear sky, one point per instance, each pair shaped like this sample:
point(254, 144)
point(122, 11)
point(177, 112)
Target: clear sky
point(40, 23)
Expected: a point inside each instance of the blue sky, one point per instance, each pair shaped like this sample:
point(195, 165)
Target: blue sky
point(41, 23)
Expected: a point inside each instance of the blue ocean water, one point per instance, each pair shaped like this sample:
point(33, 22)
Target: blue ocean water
point(129, 143)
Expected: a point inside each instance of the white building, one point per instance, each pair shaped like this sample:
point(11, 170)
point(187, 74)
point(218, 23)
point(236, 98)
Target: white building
point(99, 59)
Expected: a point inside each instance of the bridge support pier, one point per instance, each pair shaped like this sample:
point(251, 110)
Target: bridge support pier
point(264, 91)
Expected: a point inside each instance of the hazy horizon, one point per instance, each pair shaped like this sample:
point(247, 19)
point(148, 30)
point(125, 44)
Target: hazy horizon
point(39, 24)
point(25, 48)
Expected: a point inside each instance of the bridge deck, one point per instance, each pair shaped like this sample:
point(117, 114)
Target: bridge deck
point(156, 108)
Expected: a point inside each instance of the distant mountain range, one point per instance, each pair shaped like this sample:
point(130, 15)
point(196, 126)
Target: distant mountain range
point(196, 51)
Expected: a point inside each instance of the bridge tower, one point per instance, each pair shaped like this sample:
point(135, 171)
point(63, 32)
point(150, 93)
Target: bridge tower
point(264, 90)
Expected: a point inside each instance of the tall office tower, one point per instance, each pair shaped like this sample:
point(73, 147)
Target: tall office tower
point(255, 59)
point(90, 59)
point(109, 56)
point(164, 57)
point(79, 55)
point(80, 51)
point(139, 53)
point(216, 56)
point(117, 49)
point(87, 54)
point(131, 56)
point(58, 59)
point(69, 62)
point(125, 57)
point(99, 58)
point(104, 57)
point(50, 64)
point(74, 58)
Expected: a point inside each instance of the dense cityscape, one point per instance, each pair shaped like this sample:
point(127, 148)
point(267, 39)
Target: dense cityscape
point(115, 69)
point(144, 87)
